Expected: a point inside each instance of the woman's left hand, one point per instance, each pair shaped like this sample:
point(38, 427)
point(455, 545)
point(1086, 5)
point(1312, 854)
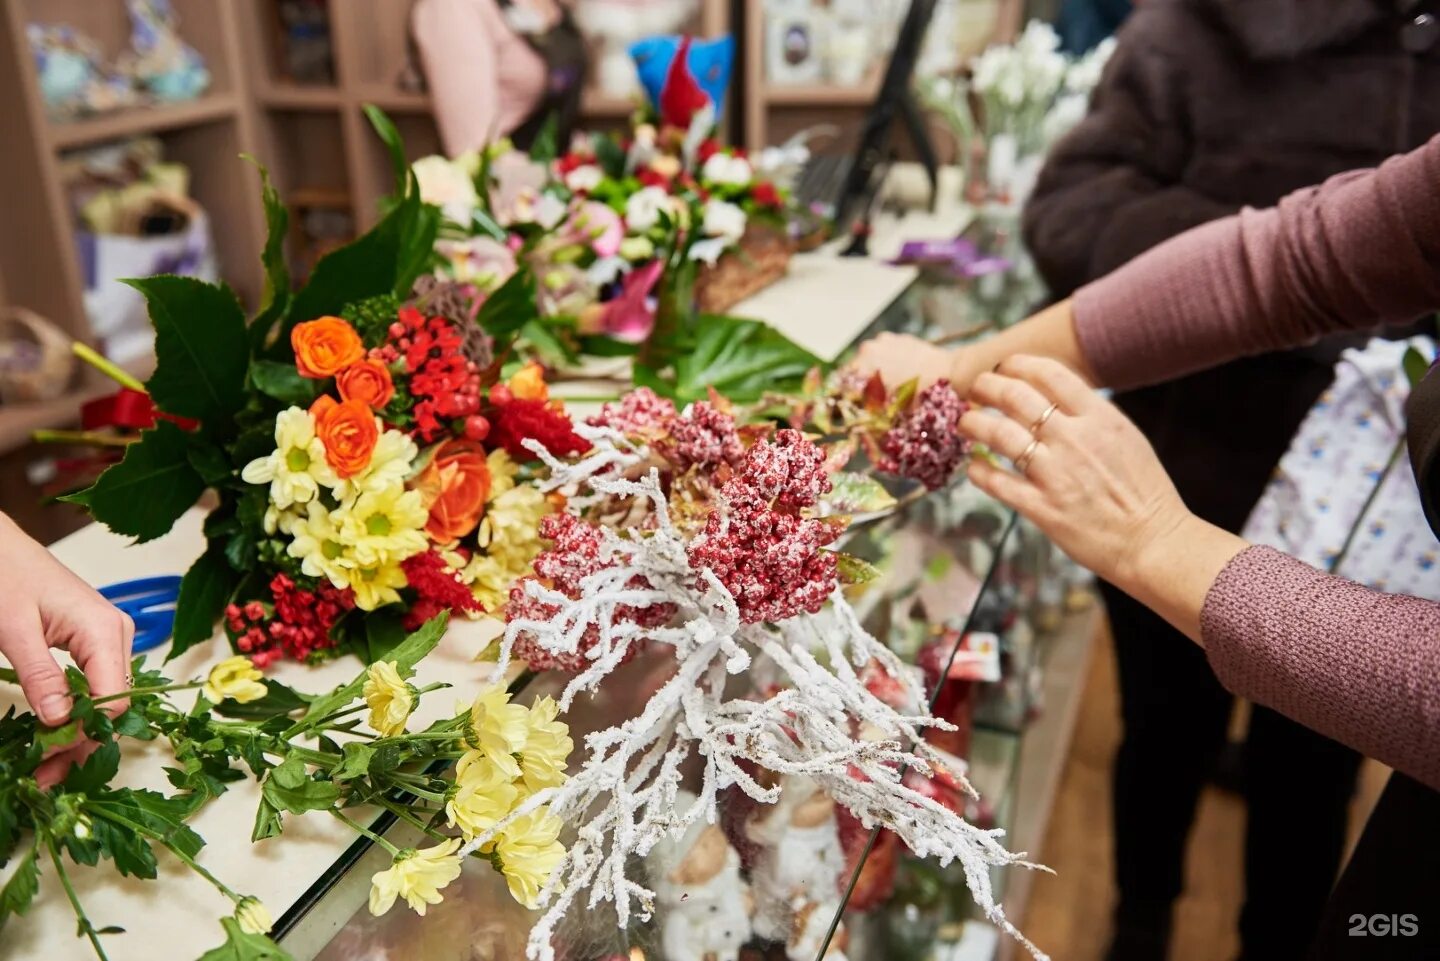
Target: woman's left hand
point(1085, 475)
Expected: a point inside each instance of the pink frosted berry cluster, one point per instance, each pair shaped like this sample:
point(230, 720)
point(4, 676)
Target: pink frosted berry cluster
point(640, 412)
point(925, 444)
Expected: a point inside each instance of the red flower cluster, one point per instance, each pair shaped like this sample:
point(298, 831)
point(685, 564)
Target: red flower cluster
point(519, 419)
point(925, 443)
point(296, 625)
point(439, 589)
point(768, 556)
point(574, 555)
point(444, 383)
point(640, 412)
point(650, 177)
point(765, 194)
point(704, 437)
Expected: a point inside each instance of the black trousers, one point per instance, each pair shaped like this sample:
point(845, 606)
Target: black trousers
point(1298, 786)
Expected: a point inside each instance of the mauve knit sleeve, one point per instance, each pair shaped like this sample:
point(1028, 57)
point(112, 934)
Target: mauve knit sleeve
point(1354, 664)
point(1359, 251)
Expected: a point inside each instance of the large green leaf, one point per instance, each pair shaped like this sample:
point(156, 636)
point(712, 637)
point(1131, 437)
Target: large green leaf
point(394, 143)
point(201, 350)
point(204, 591)
point(742, 359)
point(145, 494)
point(511, 307)
point(290, 787)
point(277, 271)
point(20, 890)
point(240, 945)
point(281, 381)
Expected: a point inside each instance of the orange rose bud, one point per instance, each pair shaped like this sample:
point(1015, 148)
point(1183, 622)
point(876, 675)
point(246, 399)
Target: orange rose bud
point(456, 484)
point(325, 347)
point(321, 406)
point(367, 381)
point(349, 432)
point(528, 383)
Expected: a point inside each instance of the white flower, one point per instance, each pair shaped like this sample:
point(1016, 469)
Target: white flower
point(448, 186)
point(297, 468)
point(606, 270)
point(584, 178)
point(723, 168)
point(723, 219)
point(1084, 75)
point(549, 211)
point(391, 462)
point(643, 209)
point(709, 251)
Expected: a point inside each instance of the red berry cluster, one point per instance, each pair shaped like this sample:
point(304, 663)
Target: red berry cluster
point(574, 555)
point(925, 443)
point(297, 624)
point(519, 419)
point(640, 412)
point(704, 437)
point(768, 556)
point(443, 381)
point(439, 589)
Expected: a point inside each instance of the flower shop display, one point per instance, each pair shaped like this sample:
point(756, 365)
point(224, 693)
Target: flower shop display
point(336, 755)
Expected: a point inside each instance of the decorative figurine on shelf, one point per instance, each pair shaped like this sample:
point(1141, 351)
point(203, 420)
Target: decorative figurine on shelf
point(798, 872)
point(73, 81)
point(615, 25)
point(159, 62)
point(705, 906)
point(682, 75)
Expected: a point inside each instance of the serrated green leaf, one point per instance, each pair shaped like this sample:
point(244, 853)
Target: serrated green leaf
point(201, 350)
point(132, 724)
point(854, 570)
point(211, 463)
point(204, 591)
point(242, 946)
point(65, 734)
point(308, 795)
point(280, 700)
point(852, 493)
point(267, 822)
point(147, 492)
point(277, 271)
point(355, 763)
point(281, 381)
point(20, 890)
point(93, 776)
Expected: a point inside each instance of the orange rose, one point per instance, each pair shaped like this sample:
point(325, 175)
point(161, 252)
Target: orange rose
point(456, 484)
point(325, 347)
point(367, 381)
point(528, 383)
point(349, 432)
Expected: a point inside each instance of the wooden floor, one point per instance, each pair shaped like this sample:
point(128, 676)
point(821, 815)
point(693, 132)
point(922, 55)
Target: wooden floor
point(1069, 914)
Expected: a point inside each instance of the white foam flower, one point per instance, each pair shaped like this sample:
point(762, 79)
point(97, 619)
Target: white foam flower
point(643, 208)
point(296, 470)
point(723, 219)
point(723, 168)
point(584, 178)
point(392, 461)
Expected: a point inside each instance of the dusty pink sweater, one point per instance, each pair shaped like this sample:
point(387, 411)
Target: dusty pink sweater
point(1361, 250)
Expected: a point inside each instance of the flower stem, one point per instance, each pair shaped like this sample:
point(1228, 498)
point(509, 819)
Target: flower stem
point(405, 814)
point(107, 367)
point(80, 914)
point(363, 831)
point(87, 438)
point(147, 690)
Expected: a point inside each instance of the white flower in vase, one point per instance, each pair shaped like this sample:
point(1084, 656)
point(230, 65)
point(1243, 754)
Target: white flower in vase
point(725, 220)
point(584, 178)
point(723, 168)
point(447, 185)
point(643, 208)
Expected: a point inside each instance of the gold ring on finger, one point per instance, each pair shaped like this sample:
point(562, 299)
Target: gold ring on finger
point(1022, 463)
point(1043, 419)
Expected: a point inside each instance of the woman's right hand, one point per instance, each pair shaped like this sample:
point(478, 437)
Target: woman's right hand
point(898, 358)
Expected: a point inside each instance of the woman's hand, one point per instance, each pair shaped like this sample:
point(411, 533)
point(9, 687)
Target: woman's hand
point(46, 606)
point(898, 358)
point(1091, 482)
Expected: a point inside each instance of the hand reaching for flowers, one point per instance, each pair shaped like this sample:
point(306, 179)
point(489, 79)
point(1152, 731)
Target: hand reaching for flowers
point(46, 606)
point(1090, 481)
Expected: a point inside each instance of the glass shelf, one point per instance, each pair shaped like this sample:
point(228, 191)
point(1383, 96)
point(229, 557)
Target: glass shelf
point(953, 566)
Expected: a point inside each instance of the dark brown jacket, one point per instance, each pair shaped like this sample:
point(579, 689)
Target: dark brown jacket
point(1209, 106)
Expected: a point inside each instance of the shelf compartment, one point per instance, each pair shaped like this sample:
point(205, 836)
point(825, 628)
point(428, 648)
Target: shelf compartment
point(295, 96)
point(139, 121)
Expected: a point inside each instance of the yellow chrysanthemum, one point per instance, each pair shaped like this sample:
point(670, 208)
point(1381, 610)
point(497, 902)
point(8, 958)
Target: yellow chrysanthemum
point(296, 470)
point(498, 729)
point(509, 537)
point(513, 518)
point(484, 793)
point(527, 852)
point(392, 461)
point(375, 587)
point(253, 917)
point(236, 679)
point(383, 526)
point(390, 699)
point(547, 746)
point(416, 876)
point(502, 472)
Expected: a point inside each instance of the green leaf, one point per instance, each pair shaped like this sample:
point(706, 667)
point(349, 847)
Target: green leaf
point(62, 736)
point(267, 822)
point(204, 591)
point(390, 135)
point(131, 853)
point(201, 350)
point(277, 271)
point(551, 348)
point(280, 700)
point(242, 946)
point(290, 787)
point(854, 570)
point(384, 631)
point(607, 347)
point(355, 763)
point(742, 359)
point(282, 381)
point(1416, 366)
point(93, 777)
point(852, 493)
point(211, 463)
point(147, 492)
point(20, 890)
point(547, 142)
point(610, 155)
point(510, 307)
point(132, 724)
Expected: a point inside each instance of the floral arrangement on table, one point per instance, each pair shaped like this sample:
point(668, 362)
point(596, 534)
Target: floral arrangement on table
point(324, 755)
point(708, 536)
point(365, 437)
point(606, 226)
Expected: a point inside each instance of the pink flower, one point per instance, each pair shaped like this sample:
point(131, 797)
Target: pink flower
point(630, 317)
point(515, 178)
point(642, 411)
point(600, 227)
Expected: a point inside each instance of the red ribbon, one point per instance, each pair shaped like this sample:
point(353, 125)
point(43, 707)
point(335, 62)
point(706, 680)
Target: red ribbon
point(126, 410)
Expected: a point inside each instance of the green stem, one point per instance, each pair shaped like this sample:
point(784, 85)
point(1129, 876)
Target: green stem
point(87, 438)
point(80, 914)
point(363, 831)
point(1365, 509)
point(107, 367)
point(147, 690)
point(414, 786)
point(405, 814)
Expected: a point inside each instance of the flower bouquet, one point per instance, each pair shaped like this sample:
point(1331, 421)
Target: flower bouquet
point(365, 437)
